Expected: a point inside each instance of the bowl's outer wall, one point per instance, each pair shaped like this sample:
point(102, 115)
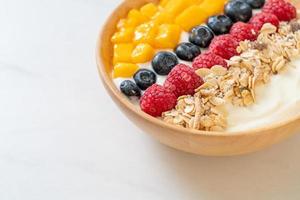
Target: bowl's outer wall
point(198, 142)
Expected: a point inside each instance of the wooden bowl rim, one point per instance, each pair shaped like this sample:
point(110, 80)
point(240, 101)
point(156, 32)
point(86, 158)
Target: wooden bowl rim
point(109, 84)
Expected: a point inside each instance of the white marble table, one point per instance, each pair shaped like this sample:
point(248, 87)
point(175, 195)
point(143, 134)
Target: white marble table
point(61, 137)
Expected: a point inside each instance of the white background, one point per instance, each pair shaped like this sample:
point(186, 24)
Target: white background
point(61, 137)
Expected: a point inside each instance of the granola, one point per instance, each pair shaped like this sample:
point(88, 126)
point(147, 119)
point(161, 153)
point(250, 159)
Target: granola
point(256, 63)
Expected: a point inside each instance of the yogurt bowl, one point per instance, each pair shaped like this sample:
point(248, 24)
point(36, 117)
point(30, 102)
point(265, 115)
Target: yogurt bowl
point(210, 143)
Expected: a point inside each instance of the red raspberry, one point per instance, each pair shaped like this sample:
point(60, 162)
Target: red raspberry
point(243, 31)
point(207, 60)
point(260, 19)
point(284, 10)
point(157, 100)
point(183, 80)
point(224, 46)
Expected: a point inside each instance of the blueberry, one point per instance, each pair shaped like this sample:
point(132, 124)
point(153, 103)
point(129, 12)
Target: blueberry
point(201, 36)
point(187, 51)
point(255, 3)
point(238, 10)
point(130, 89)
point(163, 62)
point(219, 24)
point(144, 78)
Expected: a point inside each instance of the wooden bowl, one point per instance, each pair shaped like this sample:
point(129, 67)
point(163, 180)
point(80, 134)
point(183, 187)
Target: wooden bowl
point(193, 141)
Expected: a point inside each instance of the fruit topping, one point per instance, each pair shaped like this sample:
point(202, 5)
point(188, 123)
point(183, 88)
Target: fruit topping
point(187, 51)
point(124, 70)
point(162, 17)
point(213, 7)
point(163, 62)
point(224, 46)
point(142, 53)
point(136, 14)
point(284, 10)
point(175, 7)
point(144, 78)
point(243, 31)
point(208, 60)
point(125, 35)
point(163, 3)
point(157, 100)
point(145, 33)
point(255, 3)
point(122, 52)
point(260, 19)
point(149, 10)
point(201, 36)
point(191, 17)
point(168, 36)
point(238, 10)
point(133, 19)
point(219, 24)
point(130, 89)
point(183, 80)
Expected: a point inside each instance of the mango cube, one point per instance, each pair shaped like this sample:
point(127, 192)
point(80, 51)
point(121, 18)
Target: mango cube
point(175, 7)
point(142, 53)
point(163, 17)
point(137, 15)
point(213, 8)
point(124, 70)
point(149, 9)
point(134, 18)
point(121, 24)
point(190, 17)
point(122, 52)
point(163, 3)
point(145, 33)
point(125, 35)
point(168, 36)
point(127, 23)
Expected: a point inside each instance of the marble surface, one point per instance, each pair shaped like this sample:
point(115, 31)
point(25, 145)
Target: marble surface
point(61, 137)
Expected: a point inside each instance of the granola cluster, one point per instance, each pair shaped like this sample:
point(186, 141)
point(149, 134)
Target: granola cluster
point(256, 63)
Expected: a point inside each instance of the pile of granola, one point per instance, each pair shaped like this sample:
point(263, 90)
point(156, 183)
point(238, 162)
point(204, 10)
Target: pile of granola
point(257, 62)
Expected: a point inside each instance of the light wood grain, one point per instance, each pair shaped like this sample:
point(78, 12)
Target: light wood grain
point(198, 142)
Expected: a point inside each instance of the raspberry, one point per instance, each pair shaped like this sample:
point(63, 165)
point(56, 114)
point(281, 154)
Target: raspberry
point(260, 19)
point(157, 100)
point(243, 31)
point(207, 60)
point(284, 10)
point(224, 46)
point(183, 80)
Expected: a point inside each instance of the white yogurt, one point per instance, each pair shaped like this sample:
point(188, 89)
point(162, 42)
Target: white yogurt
point(275, 101)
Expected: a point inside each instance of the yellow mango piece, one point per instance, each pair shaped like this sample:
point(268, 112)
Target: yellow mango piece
point(142, 53)
point(125, 70)
point(122, 52)
point(149, 9)
point(137, 15)
point(168, 36)
point(127, 23)
point(125, 35)
point(121, 24)
point(163, 3)
point(175, 7)
point(190, 17)
point(163, 17)
point(214, 8)
point(145, 33)
point(134, 18)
